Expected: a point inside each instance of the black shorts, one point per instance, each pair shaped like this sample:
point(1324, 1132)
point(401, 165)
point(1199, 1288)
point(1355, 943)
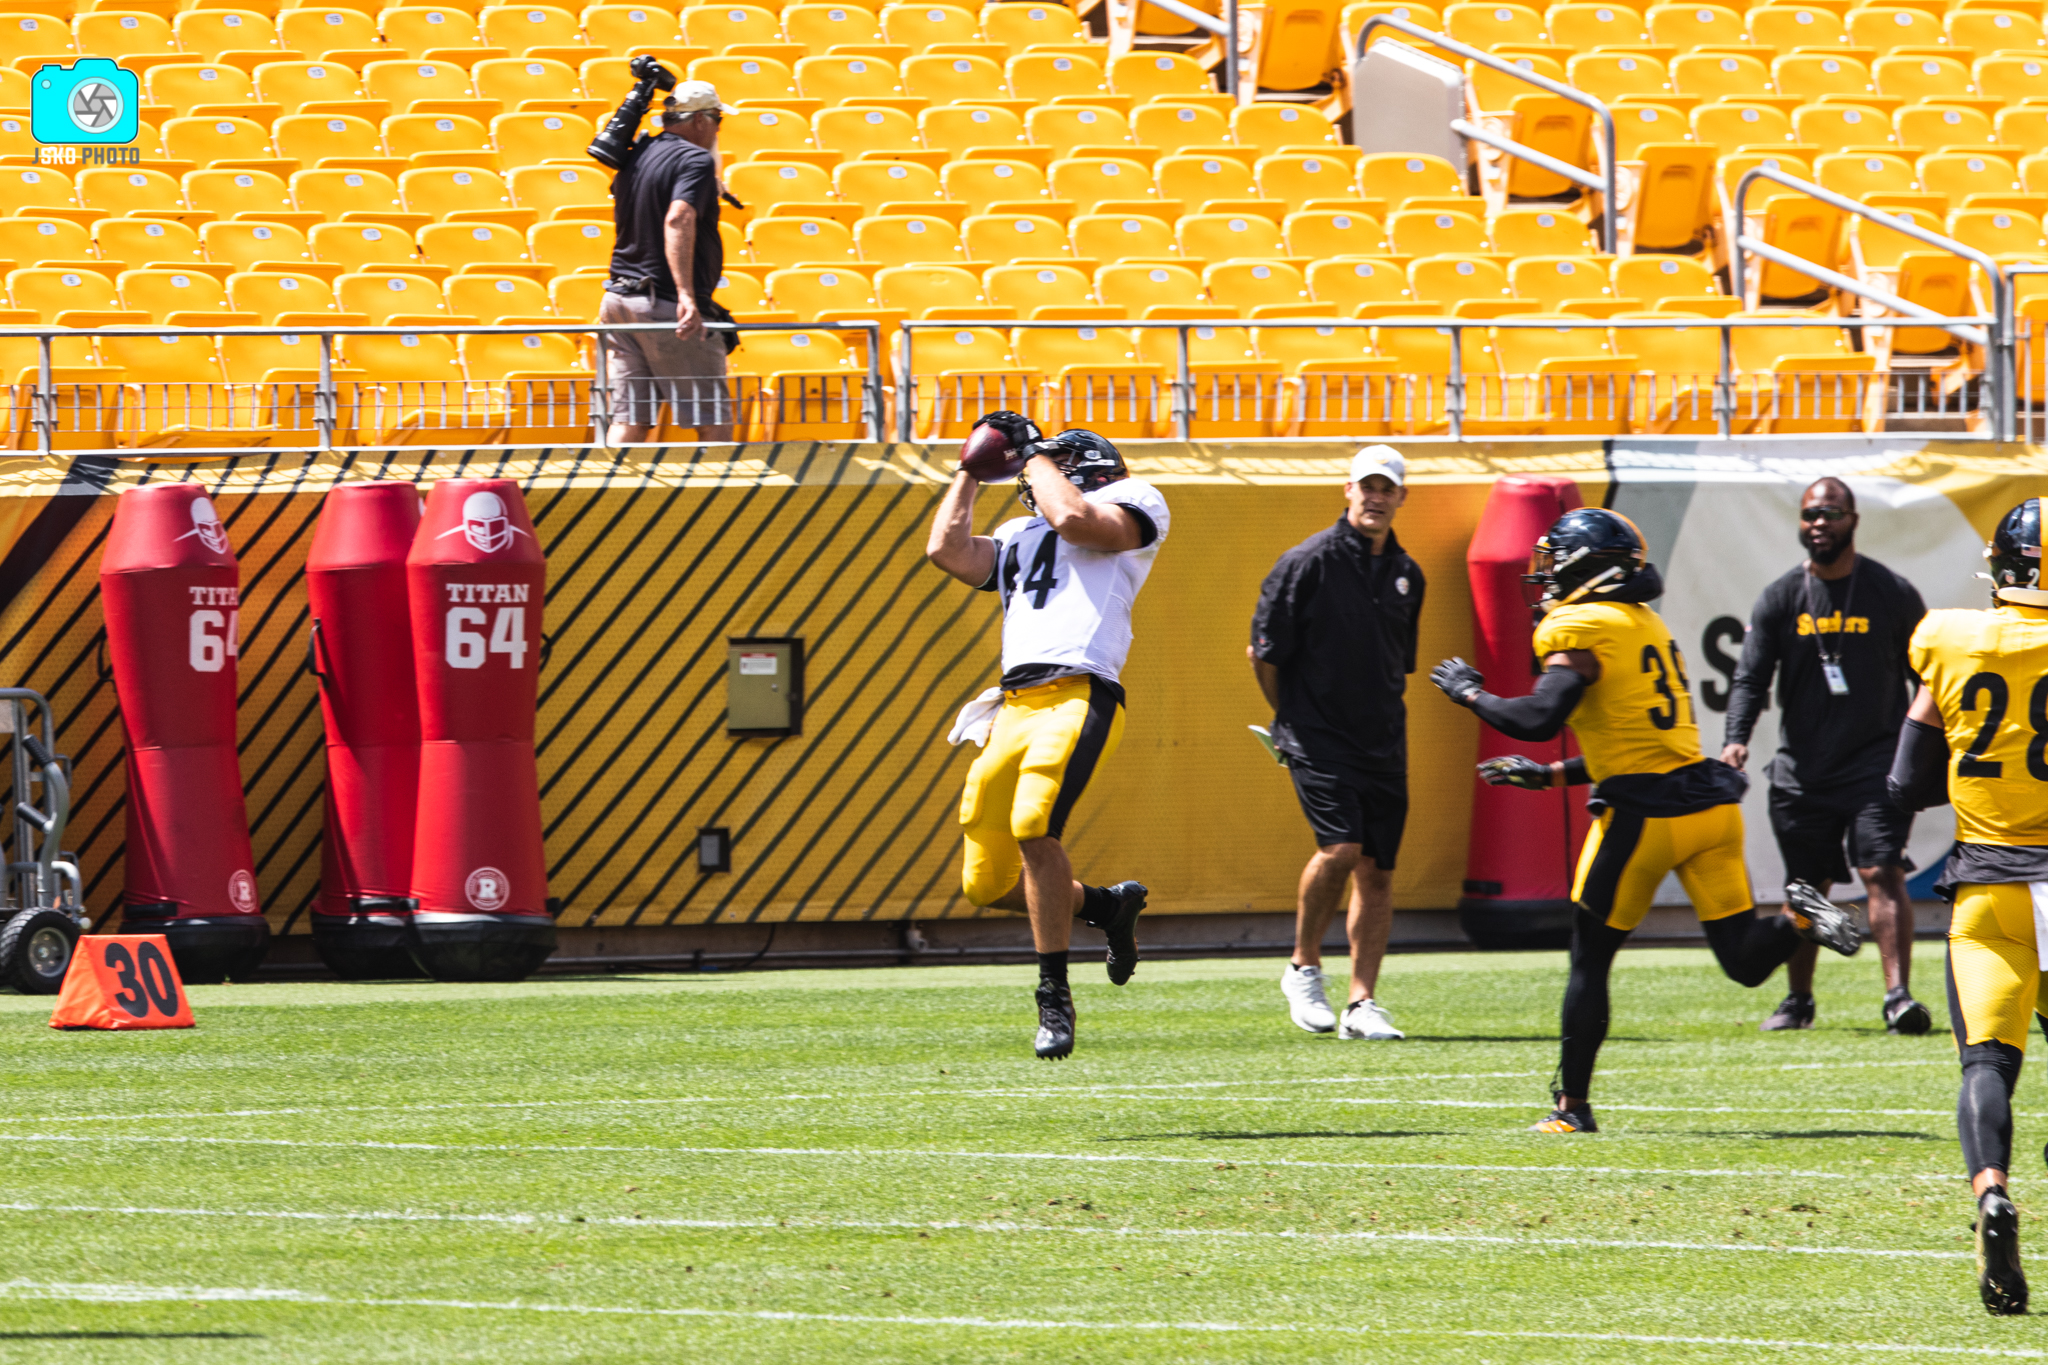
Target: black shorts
point(1813, 827)
point(1345, 807)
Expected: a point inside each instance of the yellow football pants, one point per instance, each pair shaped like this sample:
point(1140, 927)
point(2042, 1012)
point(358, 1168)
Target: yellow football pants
point(1626, 856)
point(1046, 744)
point(1994, 965)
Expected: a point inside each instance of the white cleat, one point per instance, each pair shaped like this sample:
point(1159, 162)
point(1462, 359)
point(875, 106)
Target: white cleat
point(1306, 1002)
point(1366, 1019)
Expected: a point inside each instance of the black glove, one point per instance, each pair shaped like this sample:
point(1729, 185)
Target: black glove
point(1513, 770)
point(1459, 680)
point(1021, 430)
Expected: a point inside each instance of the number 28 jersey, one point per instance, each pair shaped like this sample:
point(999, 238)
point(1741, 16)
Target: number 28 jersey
point(1988, 671)
point(1066, 609)
point(1638, 717)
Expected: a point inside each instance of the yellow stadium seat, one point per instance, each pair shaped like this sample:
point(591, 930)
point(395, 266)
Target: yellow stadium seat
point(1153, 20)
point(317, 30)
point(1297, 178)
point(492, 298)
point(1567, 379)
point(1610, 76)
point(206, 140)
point(571, 245)
point(1859, 173)
point(1637, 126)
point(308, 138)
point(799, 241)
point(1158, 75)
point(1277, 128)
point(415, 30)
point(1228, 236)
point(928, 291)
point(438, 191)
point(1540, 232)
point(423, 368)
point(1136, 288)
point(550, 189)
point(1886, 27)
point(242, 245)
point(1000, 238)
point(1027, 288)
point(401, 82)
point(962, 373)
point(1934, 127)
point(906, 239)
point(1493, 90)
point(618, 29)
point(34, 35)
point(1674, 202)
point(1877, 249)
point(1087, 181)
point(28, 186)
point(1688, 25)
point(1719, 75)
point(2011, 77)
point(1801, 226)
point(1245, 285)
point(1196, 181)
point(1654, 278)
point(718, 27)
point(1320, 234)
point(1922, 77)
point(954, 129)
point(381, 297)
point(1049, 75)
point(138, 242)
point(181, 363)
point(2026, 127)
point(184, 85)
point(1590, 26)
point(355, 245)
point(918, 26)
point(28, 241)
point(1092, 380)
point(950, 78)
point(1816, 76)
point(1549, 124)
point(332, 193)
point(820, 28)
point(1232, 392)
point(835, 80)
point(1295, 348)
point(854, 131)
point(761, 184)
point(1811, 381)
point(1451, 280)
point(513, 80)
point(1677, 372)
point(1729, 125)
point(1552, 282)
point(1959, 174)
point(1065, 128)
point(746, 78)
point(1398, 176)
point(578, 296)
point(529, 139)
point(1483, 25)
point(127, 189)
point(51, 291)
point(289, 85)
point(1122, 236)
point(407, 135)
point(210, 32)
point(1993, 30)
point(795, 386)
point(1782, 28)
point(122, 33)
point(456, 245)
point(1415, 390)
point(871, 184)
point(810, 292)
point(519, 27)
point(489, 357)
point(1178, 127)
point(1431, 232)
point(1019, 26)
point(2004, 233)
point(752, 132)
point(267, 293)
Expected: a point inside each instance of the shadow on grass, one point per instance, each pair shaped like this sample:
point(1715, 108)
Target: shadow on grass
point(132, 1336)
point(1512, 1038)
point(1221, 1135)
point(1814, 1133)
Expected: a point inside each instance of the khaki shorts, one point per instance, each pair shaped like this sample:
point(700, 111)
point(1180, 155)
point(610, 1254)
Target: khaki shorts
point(648, 369)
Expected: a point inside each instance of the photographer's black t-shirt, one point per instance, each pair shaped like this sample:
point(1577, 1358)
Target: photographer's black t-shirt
point(671, 168)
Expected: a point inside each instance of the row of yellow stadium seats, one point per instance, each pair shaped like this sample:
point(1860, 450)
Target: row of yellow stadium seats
point(289, 84)
point(196, 357)
point(310, 140)
point(1832, 125)
point(950, 77)
point(1587, 24)
point(958, 128)
point(1719, 74)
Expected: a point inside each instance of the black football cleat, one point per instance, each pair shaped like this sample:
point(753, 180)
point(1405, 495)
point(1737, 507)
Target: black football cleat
point(1794, 1011)
point(1120, 927)
point(1999, 1277)
point(1563, 1120)
point(1904, 1014)
point(1820, 920)
point(1055, 1022)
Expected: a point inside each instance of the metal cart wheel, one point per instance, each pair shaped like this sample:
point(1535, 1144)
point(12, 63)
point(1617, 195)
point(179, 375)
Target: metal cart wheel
point(35, 950)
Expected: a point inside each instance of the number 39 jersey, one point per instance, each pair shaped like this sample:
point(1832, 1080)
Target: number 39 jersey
point(1067, 607)
point(1638, 717)
point(1988, 671)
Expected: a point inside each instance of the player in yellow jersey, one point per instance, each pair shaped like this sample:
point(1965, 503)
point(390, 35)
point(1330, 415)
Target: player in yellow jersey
point(1977, 736)
point(1612, 670)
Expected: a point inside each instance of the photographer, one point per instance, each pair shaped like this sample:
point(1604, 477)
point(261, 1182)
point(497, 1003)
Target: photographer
point(666, 213)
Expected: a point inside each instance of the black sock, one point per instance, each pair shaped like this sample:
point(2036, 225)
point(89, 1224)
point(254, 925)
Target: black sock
point(1584, 1029)
point(1750, 947)
point(1052, 969)
point(1096, 905)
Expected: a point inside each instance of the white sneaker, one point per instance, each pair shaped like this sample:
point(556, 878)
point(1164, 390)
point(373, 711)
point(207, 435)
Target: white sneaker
point(1366, 1019)
point(1303, 987)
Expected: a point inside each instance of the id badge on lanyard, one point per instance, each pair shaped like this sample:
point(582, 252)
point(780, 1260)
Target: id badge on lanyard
point(1838, 686)
point(1831, 663)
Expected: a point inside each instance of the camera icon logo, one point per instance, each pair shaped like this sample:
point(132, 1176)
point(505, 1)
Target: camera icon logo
point(93, 101)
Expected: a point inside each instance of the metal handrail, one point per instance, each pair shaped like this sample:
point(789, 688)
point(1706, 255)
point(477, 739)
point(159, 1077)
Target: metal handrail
point(1997, 342)
point(1604, 182)
point(1224, 28)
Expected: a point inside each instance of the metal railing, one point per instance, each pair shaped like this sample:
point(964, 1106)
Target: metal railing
point(1224, 29)
point(1604, 182)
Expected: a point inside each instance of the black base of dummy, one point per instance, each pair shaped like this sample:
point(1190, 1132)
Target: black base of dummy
point(495, 948)
point(1517, 926)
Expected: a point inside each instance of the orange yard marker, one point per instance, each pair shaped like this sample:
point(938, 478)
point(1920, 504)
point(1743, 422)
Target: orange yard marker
point(122, 981)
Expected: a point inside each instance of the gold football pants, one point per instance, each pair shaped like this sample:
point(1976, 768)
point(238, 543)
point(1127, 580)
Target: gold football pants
point(1046, 744)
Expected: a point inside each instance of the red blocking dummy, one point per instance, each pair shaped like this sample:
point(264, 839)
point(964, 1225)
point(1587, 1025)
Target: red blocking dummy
point(361, 644)
point(1524, 845)
point(476, 575)
point(169, 588)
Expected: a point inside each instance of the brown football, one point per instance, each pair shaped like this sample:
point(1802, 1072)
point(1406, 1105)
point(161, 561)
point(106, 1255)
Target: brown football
point(988, 455)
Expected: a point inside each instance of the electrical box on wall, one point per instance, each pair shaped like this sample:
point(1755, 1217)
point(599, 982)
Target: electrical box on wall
point(764, 686)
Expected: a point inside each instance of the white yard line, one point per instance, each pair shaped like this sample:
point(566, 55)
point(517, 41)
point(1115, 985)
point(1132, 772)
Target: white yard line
point(805, 1223)
point(143, 1293)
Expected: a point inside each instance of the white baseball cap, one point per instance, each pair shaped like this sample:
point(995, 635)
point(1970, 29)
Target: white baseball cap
point(695, 97)
point(1384, 460)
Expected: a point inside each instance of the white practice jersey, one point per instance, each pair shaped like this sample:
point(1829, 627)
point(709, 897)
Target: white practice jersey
point(1070, 607)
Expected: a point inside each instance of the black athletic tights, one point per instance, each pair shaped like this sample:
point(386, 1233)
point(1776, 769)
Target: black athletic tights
point(1749, 949)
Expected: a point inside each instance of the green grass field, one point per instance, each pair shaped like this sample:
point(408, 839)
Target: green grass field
point(871, 1166)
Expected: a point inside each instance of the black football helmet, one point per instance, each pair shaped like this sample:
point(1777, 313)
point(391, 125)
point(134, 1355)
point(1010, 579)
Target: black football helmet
point(1589, 552)
point(1088, 461)
point(2014, 553)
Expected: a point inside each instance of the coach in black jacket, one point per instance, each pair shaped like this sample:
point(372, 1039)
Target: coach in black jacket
point(1333, 643)
point(1835, 631)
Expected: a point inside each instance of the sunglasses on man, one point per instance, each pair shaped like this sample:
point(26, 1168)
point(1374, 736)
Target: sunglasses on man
point(1823, 513)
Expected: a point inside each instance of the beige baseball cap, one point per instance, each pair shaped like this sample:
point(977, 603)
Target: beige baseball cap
point(1382, 460)
point(695, 97)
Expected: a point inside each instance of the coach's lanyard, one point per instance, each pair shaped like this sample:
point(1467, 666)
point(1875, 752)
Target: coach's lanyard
point(1830, 655)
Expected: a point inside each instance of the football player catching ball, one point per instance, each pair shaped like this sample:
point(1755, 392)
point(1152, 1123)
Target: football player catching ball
point(1067, 574)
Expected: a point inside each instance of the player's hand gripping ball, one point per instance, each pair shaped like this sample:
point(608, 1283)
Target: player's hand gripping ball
point(1460, 681)
point(1513, 770)
point(998, 446)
